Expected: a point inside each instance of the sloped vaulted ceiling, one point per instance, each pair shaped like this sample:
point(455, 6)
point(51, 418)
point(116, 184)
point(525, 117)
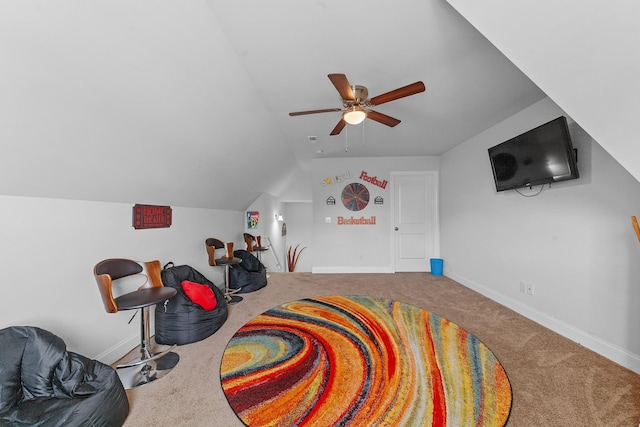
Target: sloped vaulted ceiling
point(582, 54)
point(186, 103)
point(131, 101)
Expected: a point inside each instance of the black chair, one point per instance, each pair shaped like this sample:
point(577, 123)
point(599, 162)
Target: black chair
point(43, 384)
point(149, 366)
point(247, 276)
point(181, 320)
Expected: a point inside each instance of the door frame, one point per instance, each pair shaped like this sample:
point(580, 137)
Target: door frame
point(433, 214)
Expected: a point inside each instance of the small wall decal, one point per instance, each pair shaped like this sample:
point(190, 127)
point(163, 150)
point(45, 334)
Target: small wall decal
point(373, 180)
point(378, 201)
point(357, 221)
point(331, 200)
point(355, 196)
point(336, 178)
point(151, 216)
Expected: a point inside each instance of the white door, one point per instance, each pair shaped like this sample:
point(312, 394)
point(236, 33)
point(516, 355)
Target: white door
point(415, 220)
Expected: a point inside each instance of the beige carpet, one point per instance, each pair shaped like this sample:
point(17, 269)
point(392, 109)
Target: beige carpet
point(555, 382)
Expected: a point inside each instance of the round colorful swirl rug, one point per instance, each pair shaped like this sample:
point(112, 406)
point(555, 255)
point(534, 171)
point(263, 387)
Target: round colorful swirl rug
point(361, 361)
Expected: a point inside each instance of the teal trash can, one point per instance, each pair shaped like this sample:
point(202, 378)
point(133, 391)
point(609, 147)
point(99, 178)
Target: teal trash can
point(436, 266)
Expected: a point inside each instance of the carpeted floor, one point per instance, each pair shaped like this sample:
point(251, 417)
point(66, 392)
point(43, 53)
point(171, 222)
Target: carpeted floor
point(555, 382)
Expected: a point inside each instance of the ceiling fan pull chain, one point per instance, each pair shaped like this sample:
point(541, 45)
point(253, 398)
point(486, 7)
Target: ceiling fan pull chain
point(363, 123)
point(346, 140)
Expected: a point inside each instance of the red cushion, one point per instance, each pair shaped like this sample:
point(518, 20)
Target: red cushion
point(200, 294)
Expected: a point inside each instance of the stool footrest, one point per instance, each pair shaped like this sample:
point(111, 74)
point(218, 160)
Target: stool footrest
point(140, 361)
point(148, 370)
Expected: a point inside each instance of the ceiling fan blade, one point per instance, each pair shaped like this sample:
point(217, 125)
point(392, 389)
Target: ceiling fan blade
point(382, 118)
point(342, 85)
point(336, 130)
point(408, 90)
point(326, 110)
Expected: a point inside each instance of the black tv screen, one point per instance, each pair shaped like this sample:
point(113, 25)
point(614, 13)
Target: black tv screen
point(540, 156)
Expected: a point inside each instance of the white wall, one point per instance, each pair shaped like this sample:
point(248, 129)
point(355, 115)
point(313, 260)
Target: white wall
point(49, 248)
point(298, 188)
point(356, 248)
point(574, 242)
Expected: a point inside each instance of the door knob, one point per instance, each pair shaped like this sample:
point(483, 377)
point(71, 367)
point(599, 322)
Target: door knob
point(396, 229)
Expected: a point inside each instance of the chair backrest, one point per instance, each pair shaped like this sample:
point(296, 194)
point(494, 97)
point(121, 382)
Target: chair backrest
point(108, 270)
point(211, 245)
point(249, 239)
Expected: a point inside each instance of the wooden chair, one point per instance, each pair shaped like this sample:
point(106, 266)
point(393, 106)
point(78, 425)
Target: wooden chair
point(636, 227)
point(249, 239)
point(145, 368)
point(212, 244)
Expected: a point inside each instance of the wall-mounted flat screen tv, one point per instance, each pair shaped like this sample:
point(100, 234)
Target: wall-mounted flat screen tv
point(540, 156)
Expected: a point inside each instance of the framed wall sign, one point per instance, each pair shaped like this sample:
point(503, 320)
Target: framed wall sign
point(151, 216)
point(253, 217)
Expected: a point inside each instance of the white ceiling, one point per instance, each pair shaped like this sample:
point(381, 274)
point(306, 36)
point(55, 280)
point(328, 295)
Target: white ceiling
point(186, 103)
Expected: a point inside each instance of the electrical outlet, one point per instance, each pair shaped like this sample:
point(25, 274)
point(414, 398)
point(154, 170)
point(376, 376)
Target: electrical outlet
point(530, 289)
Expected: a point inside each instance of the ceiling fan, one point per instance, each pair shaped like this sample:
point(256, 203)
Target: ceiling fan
point(356, 103)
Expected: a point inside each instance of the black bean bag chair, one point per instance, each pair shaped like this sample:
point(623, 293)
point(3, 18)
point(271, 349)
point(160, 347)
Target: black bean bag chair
point(43, 384)
point(183, 319)
point(248, 276)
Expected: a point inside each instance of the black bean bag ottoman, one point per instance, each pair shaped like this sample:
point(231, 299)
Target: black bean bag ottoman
point(185, 318)
point(248, 276)
point(43, 384)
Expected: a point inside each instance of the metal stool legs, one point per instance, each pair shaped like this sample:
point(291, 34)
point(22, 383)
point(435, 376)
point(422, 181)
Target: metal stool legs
point(229, 294)
point(149, 366)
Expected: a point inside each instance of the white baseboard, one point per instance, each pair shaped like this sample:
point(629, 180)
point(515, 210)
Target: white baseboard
point(344, 270)
point(115, 353)
point(610, 351)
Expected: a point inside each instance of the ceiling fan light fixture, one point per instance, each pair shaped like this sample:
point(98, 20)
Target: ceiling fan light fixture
point(354, 97)
point(354, 115)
